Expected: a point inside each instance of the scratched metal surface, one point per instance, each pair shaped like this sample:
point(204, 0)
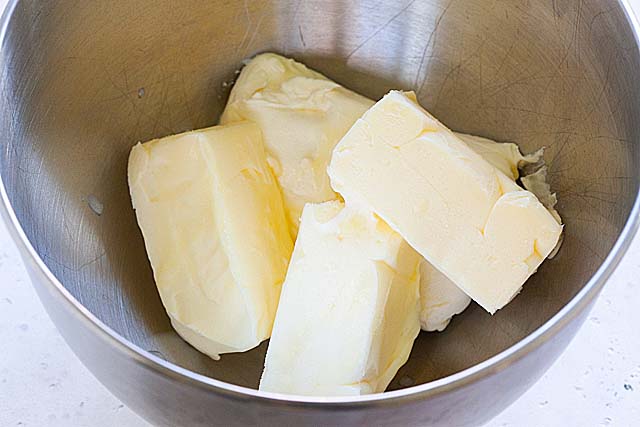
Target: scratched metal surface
point(99, 76)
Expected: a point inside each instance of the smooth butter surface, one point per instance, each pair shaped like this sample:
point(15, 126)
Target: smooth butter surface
point(465, 216)
point(275, 78)
point(215, 231)
point(506, 157)
point(348, 312)
point(302, 115)
point(440, 298)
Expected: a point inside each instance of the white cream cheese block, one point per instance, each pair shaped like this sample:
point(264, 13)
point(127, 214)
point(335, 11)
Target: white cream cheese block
point(348, 312)
point(216, 234)
point(466, 217)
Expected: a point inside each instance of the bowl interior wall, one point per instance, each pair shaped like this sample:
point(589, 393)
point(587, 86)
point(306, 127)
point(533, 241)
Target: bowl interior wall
point(82, 82)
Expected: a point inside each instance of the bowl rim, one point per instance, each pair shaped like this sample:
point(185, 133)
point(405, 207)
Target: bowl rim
point(496, 363)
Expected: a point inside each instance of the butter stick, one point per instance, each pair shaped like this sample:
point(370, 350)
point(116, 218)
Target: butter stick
point(215, 231)
point(466, 217)
point(302, 115)
point(348, 313)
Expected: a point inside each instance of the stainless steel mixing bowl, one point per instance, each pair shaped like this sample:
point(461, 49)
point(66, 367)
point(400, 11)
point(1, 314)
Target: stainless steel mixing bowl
point(81, 82)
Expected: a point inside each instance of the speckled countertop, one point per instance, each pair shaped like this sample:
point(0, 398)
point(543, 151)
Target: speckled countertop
point(596, 382)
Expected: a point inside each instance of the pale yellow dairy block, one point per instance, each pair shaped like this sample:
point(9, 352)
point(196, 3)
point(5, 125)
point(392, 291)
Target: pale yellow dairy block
point(302, 115)
point(348, 312)
point(276, 92)
point(465, 216)
point(440, 298)
point(215, 231)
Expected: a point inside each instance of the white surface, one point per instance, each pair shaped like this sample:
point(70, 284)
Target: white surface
point(596, 382)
